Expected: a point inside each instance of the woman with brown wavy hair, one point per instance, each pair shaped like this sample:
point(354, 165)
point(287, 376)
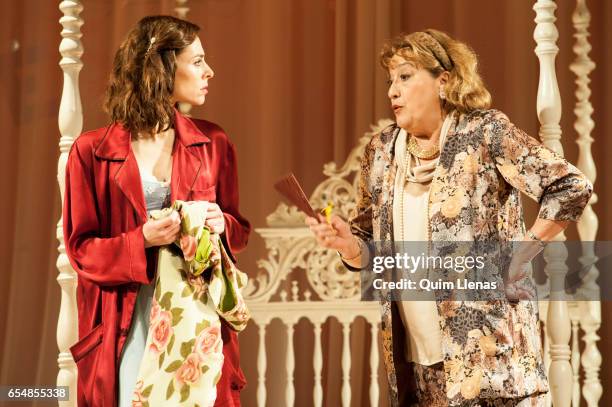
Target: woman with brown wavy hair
point(451, 170)
point(147, 157)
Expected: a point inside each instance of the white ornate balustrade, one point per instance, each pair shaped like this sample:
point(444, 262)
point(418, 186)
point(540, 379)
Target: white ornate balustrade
point(564, 315)
point(332, 291)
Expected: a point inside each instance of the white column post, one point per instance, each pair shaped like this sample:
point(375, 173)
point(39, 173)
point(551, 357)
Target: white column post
point(70, 122)
point(575, 361)
point(318, 365)
point(261, 366)
point(290, 367)
point(549, 115)
point(374, 394)
point(590, 307)
point(181, 11)
point(346, 364)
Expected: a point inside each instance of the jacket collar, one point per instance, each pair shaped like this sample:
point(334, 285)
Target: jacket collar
point(186, 164)
point(115, 144)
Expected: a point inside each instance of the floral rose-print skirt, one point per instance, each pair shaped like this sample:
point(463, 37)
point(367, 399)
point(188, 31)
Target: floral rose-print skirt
point(431, 391)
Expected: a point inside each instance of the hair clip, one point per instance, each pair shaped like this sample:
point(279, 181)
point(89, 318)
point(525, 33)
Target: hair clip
point(151, 42)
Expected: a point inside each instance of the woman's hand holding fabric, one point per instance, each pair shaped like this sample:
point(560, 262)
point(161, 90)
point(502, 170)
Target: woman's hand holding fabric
point(214, 219)
point(161, 232)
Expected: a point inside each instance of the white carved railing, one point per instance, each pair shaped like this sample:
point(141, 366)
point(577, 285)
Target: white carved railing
point(317, 312)
point(558, 327)
point(292, 250)
point(590, 315)
point(70, 123)
point(575, 310)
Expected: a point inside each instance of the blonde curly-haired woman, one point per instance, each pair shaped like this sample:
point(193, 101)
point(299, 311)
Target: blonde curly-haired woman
point(451, 169)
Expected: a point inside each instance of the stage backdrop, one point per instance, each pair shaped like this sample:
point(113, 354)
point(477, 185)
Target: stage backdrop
point(296, 83)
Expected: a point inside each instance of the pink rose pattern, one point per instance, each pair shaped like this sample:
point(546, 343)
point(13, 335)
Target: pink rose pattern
point(162, 331)
point(139, 400)
point(184, 345)
point(187, 371)
point(190, 371)
point(188, 246)
point(209, 341)
point(155, 310)
point(198, 285)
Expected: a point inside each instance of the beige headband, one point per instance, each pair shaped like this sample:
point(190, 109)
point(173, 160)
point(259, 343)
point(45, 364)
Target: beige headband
point(437, 50)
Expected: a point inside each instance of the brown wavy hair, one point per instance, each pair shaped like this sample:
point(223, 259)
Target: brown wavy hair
point(142, 80)
point(437, 52)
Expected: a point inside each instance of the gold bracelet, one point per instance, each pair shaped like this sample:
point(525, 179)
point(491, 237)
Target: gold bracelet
point(358, 254)
point(533, 237)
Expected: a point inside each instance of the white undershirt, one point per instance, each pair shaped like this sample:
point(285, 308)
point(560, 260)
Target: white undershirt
point(420, 318)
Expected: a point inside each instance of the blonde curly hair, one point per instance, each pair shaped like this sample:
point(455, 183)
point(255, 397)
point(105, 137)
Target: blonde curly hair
point(437, 52)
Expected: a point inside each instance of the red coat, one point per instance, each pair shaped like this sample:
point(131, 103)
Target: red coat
point(104, 210)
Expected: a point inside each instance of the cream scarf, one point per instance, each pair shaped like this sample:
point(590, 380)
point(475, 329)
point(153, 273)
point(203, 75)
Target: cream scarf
point(411, 192)
point(421, 173)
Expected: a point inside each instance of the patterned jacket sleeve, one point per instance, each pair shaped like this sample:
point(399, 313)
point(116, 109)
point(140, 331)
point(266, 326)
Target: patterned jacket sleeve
point(361, 218)
point(559, 187)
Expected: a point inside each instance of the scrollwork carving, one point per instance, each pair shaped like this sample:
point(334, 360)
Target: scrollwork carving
point(291, 246)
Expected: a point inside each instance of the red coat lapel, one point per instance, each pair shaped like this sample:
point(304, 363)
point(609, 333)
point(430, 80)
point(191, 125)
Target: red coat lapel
point(186, 163)
point(115, 146)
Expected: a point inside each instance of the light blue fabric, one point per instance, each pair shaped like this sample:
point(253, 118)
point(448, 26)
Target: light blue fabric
point(156, 193)
point(157, 196)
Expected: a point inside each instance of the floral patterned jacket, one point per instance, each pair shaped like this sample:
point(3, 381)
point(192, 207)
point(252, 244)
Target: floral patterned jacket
point(491, 349)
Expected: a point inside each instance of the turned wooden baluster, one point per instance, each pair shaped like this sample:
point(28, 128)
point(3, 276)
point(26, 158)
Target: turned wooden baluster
point(549, 115)
point(261, 366)
point(70, 122)
point(290, 367)
point(346, 364)
point(318, 366)
point(181, 11)
point(590, 307)
point(374, 364)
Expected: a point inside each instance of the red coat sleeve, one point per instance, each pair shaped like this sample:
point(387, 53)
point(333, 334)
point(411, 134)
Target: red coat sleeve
point(104, 260)
point(237, 228)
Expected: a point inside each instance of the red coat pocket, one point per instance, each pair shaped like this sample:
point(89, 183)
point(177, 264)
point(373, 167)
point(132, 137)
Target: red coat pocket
point(85, 353)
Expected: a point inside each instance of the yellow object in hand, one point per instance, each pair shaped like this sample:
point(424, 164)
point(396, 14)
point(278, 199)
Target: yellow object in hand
point(328, 211)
